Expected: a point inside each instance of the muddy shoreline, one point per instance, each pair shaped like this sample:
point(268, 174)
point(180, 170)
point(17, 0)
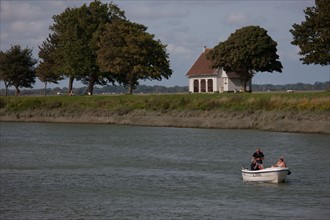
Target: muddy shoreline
point(279, 121)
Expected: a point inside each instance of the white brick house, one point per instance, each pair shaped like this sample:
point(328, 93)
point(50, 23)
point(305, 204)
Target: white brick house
point(204, 78)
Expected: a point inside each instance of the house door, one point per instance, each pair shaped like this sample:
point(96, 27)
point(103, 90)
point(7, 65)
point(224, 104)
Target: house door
point(203, 85)
point(196, 86)
point(210, 85)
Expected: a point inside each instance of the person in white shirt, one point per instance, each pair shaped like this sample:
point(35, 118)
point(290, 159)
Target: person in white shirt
point(280, 163)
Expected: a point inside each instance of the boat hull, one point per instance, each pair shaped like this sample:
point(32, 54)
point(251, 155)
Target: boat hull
point(272, 175)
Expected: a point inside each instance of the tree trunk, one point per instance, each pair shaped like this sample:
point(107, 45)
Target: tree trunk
point(6, 89)
point(91, 85)
point(130, 87)
point(246, 77)
point(17, 92)
point(130, 90)
point(45, 88)
point(70, 92)
point(245, 83)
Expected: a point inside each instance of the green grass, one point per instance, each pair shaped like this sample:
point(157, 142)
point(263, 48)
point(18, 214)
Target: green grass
point(122, 104)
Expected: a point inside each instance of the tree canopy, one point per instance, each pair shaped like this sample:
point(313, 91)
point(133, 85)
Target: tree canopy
point(313, 35)
point(46, 70)
point(17, 68)
point(248, 50)
point(96, 44)
point(76, 31)
point(3, 73)
point(130, 53)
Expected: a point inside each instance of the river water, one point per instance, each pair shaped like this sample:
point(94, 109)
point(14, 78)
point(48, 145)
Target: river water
point(97, 171)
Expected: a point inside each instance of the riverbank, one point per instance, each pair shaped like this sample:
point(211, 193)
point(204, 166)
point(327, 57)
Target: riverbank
point(307, 113)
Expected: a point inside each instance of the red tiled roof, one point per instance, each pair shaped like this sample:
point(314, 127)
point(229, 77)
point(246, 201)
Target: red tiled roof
point(202, 66)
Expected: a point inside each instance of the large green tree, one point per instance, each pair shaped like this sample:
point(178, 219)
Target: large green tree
point(3, 73)
point(77, 31)
point(131, 54)
point(248, 50)
point(93, 20)
point(67, 51)
point(313, 35)
point(46, 70)
point(17, 68)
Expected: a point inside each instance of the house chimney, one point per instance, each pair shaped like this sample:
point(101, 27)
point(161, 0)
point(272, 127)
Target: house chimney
point(204, 49)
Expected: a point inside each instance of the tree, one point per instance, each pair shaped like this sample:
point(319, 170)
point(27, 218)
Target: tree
point(77, 30)
point(130, 53)
point(17, 68)
point(245, 52)
point(4, 75)
point(313, 35)
point(93, 19)
point(46, 70)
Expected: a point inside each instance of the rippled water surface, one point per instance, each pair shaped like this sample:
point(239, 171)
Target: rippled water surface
point(90, 171)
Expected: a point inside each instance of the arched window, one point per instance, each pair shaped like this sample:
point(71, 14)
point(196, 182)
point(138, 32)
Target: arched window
point(196, 85)
point(203, 85)
point(210, 85)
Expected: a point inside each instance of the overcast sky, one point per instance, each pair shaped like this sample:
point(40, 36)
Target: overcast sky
point(184, 26)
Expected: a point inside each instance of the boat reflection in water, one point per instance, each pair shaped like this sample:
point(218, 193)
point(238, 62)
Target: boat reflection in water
point(271, 175)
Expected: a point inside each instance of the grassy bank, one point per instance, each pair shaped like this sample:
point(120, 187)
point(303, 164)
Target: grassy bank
point(265, 111)
point(243, 101)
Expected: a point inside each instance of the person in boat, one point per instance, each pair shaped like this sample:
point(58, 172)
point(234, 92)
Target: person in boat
point(254, 165)
point(280, 163)
point(258, 156)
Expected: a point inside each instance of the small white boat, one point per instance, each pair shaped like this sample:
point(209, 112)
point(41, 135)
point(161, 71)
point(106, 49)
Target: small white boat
point(272, 174)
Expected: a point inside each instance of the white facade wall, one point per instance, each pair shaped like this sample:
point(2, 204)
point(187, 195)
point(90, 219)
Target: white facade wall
point(221, 83)
point(215, 84)
point(191, 85)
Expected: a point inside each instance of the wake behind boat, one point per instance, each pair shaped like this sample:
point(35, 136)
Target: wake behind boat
point(271, 174)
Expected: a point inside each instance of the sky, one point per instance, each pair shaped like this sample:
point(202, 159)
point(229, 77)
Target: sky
point(185, 26)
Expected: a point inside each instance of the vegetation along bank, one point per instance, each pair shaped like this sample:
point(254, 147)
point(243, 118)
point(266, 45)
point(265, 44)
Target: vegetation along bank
point(294, 112)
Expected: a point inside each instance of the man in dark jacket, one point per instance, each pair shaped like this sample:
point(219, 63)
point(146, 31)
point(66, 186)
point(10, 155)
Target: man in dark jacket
point(258, 156)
